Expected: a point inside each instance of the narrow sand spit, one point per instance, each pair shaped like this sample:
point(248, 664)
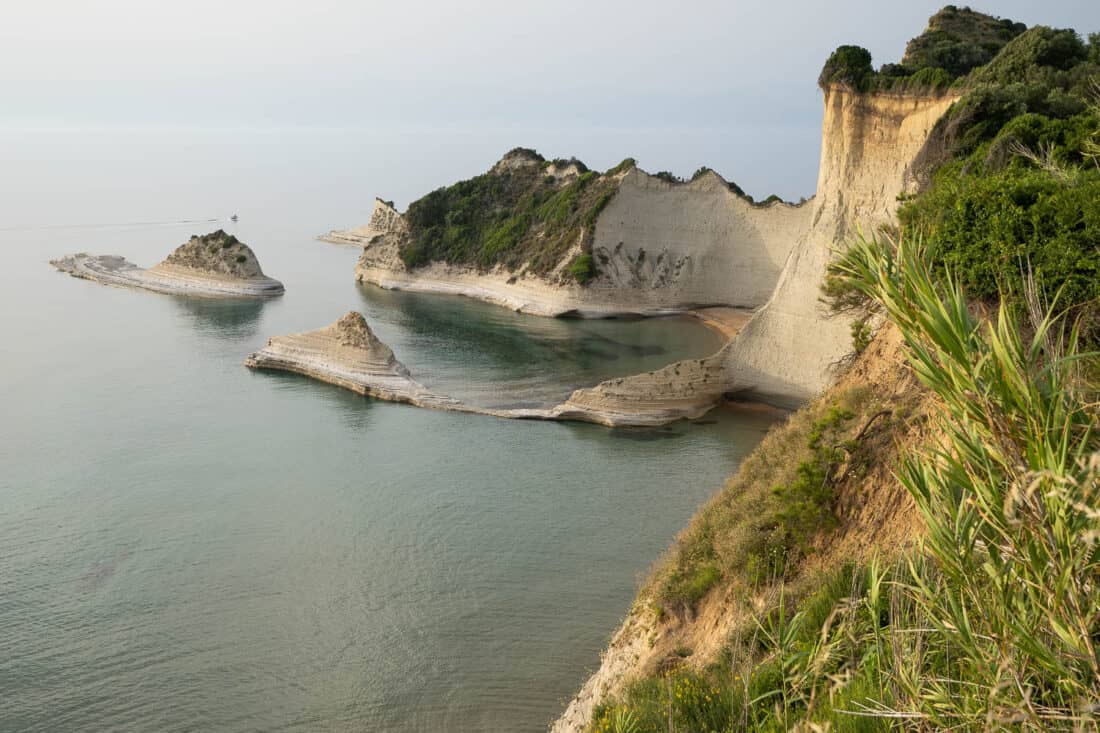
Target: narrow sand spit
point(349, 355)
point(215, 265)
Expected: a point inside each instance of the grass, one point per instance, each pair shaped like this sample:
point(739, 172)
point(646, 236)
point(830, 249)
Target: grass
point(583, 268)
point(990, 623)
point(768, 516)
point(1009, 578)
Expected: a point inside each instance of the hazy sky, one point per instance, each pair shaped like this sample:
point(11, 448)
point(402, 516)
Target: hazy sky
point(671, 82)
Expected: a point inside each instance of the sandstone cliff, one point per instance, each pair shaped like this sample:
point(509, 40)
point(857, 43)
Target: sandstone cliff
point(662, 246)
point(788, 350)
point(658, 247)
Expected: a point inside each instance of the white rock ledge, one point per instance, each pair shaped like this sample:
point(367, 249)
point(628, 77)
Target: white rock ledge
point(347, 354)
point(170, 279)
point(214, 265)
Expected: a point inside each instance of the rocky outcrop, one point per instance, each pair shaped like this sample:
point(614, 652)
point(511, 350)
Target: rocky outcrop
point(349, 355)
point(215, 265)
point(384, 219)
point(660, 247)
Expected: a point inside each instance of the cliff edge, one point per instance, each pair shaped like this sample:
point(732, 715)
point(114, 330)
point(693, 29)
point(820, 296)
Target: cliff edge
point(788, 351)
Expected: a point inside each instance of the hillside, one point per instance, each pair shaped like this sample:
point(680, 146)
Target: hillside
point(915, 548)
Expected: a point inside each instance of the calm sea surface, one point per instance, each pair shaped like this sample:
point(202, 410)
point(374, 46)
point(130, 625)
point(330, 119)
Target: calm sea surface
point(186, 545)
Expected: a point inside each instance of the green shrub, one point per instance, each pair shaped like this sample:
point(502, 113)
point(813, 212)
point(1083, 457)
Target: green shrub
point(1030, 56)
point(805, 505)
point(513, 217)
point(583, 268)
point(861, 336)
point(594, 212)
point(959, 40)
point(502, 238)
point(1001, 600)
point(625, 165)
point(990, 231)
point(849, 66)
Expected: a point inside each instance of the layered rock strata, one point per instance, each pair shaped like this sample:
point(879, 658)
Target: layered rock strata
point(349, 355)
point(215, 265)
point(789, 350)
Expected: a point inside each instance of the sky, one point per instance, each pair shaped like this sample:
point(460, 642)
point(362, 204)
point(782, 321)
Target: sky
point(729, 84)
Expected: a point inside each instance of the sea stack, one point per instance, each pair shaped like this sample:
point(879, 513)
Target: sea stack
point(215, 265)
point(349, 355)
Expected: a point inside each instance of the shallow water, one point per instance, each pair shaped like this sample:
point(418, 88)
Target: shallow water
point(188, 545)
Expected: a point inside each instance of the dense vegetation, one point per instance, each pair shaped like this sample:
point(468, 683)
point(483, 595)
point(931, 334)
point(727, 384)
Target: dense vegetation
point(515, 214)
point(990, 622)
point(1014, 178)
point(956, 41)
point(1010, 173)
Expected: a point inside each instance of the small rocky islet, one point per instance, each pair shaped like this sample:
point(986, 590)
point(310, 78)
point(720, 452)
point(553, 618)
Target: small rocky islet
point(214, 265)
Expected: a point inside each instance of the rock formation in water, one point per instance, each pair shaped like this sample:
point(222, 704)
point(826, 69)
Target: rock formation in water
point(660, 246)
point(349, 355)
point(655, 245)
point(216, 265)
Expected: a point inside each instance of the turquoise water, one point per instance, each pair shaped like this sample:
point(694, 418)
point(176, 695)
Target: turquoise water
point(188, 545)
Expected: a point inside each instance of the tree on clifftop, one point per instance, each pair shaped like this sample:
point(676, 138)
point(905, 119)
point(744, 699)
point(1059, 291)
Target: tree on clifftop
point(848, 65)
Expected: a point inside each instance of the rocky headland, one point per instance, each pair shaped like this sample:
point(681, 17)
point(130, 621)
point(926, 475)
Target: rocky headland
point(652, 245)
point(621, 243)
point(215, 265)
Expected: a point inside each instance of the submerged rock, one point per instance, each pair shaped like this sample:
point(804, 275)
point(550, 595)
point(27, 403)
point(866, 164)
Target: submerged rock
point(214, 265)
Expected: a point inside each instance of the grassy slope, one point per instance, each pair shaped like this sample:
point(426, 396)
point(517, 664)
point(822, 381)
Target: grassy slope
point(724, 565)
point(822, 630)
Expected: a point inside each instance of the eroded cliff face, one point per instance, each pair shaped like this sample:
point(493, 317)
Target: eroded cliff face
point(692, 244)
point(660, 247)
point(788, 351)
point(868, 146)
